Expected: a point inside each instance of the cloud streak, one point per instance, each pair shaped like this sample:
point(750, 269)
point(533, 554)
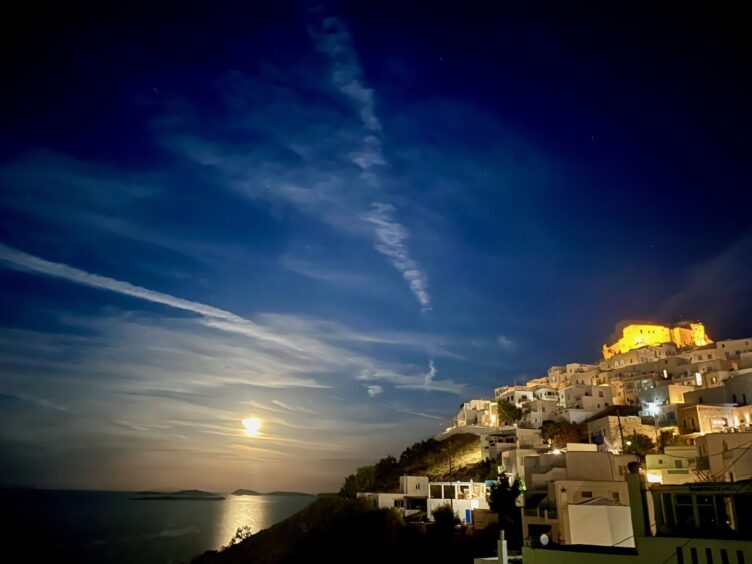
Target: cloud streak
point(24, 261)
point(506, 343)
point(287, 348)
point(333, 39)
point(217, 318)
point(391, 237)
point(421, 381)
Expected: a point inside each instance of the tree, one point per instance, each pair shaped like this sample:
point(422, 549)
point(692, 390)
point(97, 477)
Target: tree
point(668, 438)
point(503, 500)
point(638, 444)
point(508, 412)
point(362, 481)
point(559, 433)
point(240, 535)
point(444, 518)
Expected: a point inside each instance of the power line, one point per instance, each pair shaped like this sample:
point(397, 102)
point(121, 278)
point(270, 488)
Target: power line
point(731, 465)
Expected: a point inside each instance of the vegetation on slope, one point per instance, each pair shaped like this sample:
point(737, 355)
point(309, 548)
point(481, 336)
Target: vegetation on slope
point(455, 458)
point(335, 529)
point(343, 529)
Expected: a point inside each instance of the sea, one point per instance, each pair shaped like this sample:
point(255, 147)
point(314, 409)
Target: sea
point(111, 527)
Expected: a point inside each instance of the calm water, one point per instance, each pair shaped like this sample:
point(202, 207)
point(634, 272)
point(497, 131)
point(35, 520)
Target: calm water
point(64, 526)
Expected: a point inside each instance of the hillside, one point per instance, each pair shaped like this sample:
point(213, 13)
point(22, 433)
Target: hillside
point(455, 458)
point(335, 529)
point(342, 529)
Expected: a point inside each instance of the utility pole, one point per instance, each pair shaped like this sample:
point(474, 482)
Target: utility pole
point(621, 432)
point(448, 450)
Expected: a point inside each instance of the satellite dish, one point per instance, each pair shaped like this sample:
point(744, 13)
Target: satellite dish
point(544, 539)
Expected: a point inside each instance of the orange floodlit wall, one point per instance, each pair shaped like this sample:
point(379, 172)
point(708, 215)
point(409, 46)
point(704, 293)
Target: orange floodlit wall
point(637, 335)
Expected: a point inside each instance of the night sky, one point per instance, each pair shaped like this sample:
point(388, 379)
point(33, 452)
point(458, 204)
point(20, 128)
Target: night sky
point(344, 220)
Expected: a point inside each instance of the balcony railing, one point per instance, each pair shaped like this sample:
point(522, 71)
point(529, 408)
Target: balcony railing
point(547, 514)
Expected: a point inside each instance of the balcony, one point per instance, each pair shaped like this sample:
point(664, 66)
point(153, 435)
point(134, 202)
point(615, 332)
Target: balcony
point(545, 514)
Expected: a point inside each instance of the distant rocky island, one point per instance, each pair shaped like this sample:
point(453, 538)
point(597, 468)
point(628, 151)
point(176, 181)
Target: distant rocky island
point(275, 493)
point(184, 495)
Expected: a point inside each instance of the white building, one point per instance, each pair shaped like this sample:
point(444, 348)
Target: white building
point(567, 491)
point(609, 430)
point(675, 465)
point(587, 397)
point(600, 521)
point(507, 438)
point(535, 412)
point(735, 348)
point(462, 497)
point(704, 418)
point(725, 457)
point(411, 498)
point(477, 412)
point(514, 394)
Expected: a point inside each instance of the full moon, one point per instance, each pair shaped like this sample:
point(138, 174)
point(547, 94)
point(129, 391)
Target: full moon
point(252, 426)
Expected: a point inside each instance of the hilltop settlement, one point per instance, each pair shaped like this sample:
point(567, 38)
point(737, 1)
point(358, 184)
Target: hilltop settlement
point(642, 456)
point(646, 452)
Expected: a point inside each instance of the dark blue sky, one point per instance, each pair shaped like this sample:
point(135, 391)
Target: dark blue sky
point(344, 220)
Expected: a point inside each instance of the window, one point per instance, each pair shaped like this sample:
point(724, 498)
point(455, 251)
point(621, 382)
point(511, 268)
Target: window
point(740, 556)
point(679, 555)
point(724, 556)
point(678, 463)
point(615, 497)
point(586, 493)
point(708, 556)
point(693, 553)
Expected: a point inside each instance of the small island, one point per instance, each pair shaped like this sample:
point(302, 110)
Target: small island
point(274, 493)
point(245, 492)
point(183, 495)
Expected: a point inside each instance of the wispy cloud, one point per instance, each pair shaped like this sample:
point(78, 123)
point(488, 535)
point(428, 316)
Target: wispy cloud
point(215, 317)
point(333, 39)
point(713, 289)
point(374, 390)
point(391, 237)
point(287, 348)
point(421, 381)
point(24, 261)
point(506, 343)
point(297, 409)
point(428, 381)
point(400, 409)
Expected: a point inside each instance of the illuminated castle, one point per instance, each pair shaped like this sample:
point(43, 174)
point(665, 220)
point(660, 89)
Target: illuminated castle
point(639, 334)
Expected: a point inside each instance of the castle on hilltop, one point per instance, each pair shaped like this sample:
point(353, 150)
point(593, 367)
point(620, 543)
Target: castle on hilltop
point(669, 378)
point(643, 334)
